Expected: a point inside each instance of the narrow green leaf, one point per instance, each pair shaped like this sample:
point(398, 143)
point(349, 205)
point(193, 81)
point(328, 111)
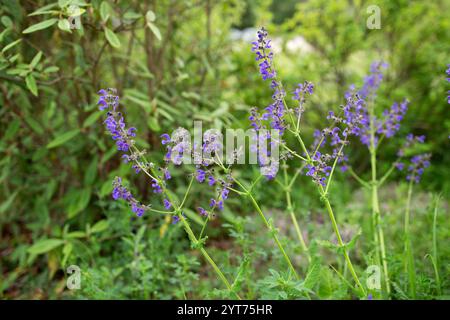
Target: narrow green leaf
point(44, 246)
point(34, 125)
point(100, 226)
point(9, 46)
point(63, 138)
point(155, 30)
point(41, 25)
point(43, 10)
point(6, 204)
point(92, 118)
point(36, 60)
point(31, 84)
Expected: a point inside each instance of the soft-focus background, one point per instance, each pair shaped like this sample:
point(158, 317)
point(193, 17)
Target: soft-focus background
point(175, 61)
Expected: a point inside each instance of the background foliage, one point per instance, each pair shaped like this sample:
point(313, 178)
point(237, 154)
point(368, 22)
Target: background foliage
point(172, 62)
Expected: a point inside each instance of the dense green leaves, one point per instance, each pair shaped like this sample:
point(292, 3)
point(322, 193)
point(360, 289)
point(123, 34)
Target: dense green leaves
point(179, 62)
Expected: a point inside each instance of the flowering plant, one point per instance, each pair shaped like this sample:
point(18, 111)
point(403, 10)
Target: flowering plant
point(355, 120)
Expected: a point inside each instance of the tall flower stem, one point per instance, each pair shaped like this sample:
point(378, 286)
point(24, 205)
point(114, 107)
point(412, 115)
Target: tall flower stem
point(339, 239)
point(269, 227)
point(376, 216)
point(409, 258)
point(290, 208)
point(324, 197)
point(187, 227)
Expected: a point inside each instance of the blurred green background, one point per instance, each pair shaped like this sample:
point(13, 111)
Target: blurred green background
point(174, 62)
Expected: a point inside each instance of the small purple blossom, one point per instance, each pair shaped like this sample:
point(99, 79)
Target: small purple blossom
point(121, 192)
point(156, 187)
point(211, 180)
point(115, 122)
point(202, 212)
point(200, 175)
point(167, 204)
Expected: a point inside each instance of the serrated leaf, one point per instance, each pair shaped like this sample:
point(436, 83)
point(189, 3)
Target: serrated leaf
point(312, 277)
point(63, 138)
point(31, 84)
point(155, 30)
point(44, 246)
point(40, 26)
point(112, 38)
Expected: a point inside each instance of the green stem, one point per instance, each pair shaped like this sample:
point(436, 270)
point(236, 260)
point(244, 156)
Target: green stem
point(376, 215)
point(435, 250)
point(187, 227)
point(358, 178)
point(339, 239)
point(290, 208)
point(409, 259)
point(269, 227)
point(334, 223)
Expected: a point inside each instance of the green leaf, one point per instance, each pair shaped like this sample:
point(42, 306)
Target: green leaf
point(44, 246)
point(78, 202)
point(112, 38)
point(8, 202)
point(63, 138)
point(91, 172)
point(43, 10)
point(51, 69)
point(31, 84)
point(76, 234)
point(93, 117)
point(105, 11)
point(35, 125)
point(64, 25)
point(41, 25)
point(100, 226)
point(312, 277)
point(150, 16)
point(153, 124)
point(130, 15)
point(155, 30)
point(63, 3)
point(9, 46)
point(67, 250)
point(36, 60)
